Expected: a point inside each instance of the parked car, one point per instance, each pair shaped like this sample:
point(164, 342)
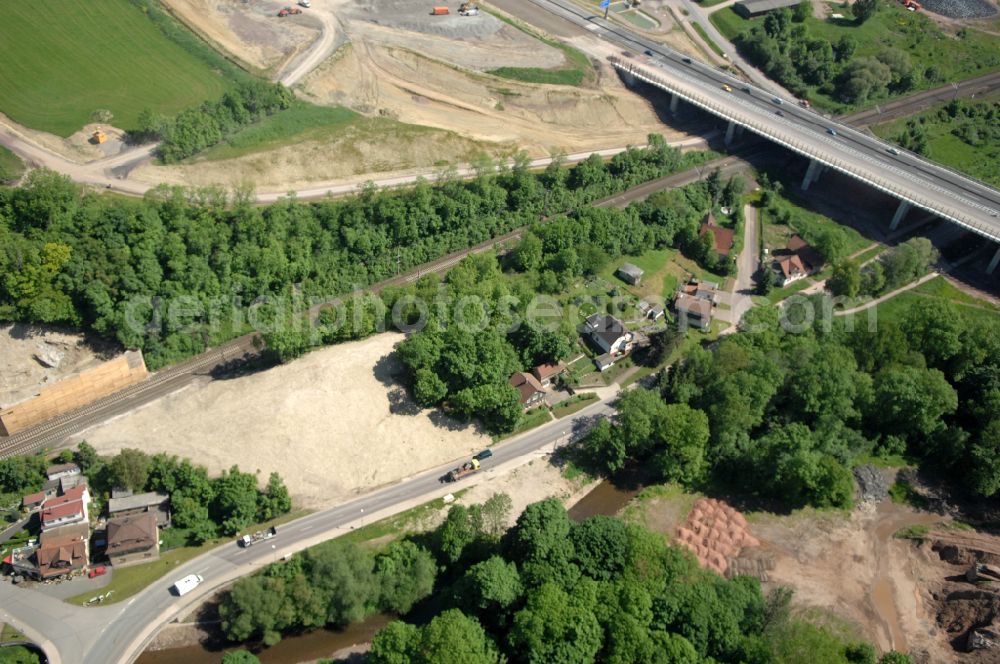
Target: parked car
point(100, 570)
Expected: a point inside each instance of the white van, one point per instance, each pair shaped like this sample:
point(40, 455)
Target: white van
point(187, 584)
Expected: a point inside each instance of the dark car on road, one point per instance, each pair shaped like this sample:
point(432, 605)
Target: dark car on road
point(485, 454)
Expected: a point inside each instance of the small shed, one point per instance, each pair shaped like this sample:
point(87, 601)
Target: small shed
point(629, 273)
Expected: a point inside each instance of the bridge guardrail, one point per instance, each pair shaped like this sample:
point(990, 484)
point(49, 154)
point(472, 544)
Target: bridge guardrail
point(730, 114)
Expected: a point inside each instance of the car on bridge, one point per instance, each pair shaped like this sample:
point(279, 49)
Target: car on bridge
point(892, 150)
point(777, 100)
point(726, 87)
point(686, 61)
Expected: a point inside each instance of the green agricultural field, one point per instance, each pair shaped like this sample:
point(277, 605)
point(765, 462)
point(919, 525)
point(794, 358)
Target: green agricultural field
point(64, 59)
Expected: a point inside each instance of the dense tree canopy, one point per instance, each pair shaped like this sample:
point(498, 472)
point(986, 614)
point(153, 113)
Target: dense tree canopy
point(180, 269)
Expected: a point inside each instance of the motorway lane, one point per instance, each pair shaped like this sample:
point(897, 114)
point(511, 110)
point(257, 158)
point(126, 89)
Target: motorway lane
point(127, 632)
point(931, 186)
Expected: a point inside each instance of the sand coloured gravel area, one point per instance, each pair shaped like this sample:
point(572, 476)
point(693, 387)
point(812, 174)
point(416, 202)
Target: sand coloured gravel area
point(331, 423)
point(35, 356)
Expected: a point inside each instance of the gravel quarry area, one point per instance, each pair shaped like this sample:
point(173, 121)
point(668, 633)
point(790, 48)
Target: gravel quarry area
point(961, 8)
point(33, 357)
point(332, 423)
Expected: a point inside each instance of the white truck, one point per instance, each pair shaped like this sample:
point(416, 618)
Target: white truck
point(187, 584)
point(259, 536)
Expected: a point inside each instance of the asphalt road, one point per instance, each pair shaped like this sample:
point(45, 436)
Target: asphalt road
point(128, 629)
point(927, 185)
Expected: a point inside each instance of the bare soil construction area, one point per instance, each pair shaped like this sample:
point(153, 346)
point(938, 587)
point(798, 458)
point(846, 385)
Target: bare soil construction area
point(331, 423)
point(393, 60)
point(33, 357)
point(249, 31)
point(905, 594)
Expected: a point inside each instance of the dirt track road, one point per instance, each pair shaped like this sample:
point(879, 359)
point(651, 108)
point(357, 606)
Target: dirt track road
point(320, 49)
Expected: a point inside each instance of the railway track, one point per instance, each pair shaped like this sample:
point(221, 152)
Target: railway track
point(54, 432)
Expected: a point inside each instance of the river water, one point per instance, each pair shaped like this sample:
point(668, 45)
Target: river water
point(291, 650)
point(605, 498)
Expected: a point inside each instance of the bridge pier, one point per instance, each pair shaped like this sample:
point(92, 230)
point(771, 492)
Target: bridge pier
point(993, 262)
point(730, 131)
point(812, 174)
point(901, 211)
point(673, 102)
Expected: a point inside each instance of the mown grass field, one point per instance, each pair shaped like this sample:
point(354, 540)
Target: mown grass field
point(65, 59)
point(300, 122)
point(980, 161)
point(576, 71)
point(11, 165)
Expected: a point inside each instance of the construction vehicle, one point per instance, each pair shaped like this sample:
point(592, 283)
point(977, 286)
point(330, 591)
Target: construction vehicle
point(440, 11)
point(285, 11)
point(187, 584)
point(466, 468)
point(99, 137)
point(259, 536)
point(469, 9)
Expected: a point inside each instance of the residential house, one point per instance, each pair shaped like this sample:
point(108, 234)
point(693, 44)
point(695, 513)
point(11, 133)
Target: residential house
point(546, 374)
point(695, 301)
point(723, 236)
point(607, 334)
point(694, 311)
point(154, 502)
point(69, 508)
point(631, 274)
point(62, 470)
point(529, 389)
point(133, 539)
point(61, 550)
point(33, 500)
point(797, 261)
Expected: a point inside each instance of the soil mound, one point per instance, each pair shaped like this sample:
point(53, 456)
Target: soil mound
point(715, 533)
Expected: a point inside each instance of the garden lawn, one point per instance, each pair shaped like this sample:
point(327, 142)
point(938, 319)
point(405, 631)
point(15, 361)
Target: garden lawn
point(895, 308)
point(574, 404)
point(663, 271)
point(64, 59)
